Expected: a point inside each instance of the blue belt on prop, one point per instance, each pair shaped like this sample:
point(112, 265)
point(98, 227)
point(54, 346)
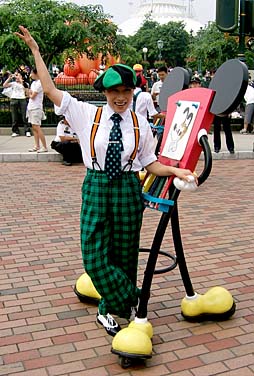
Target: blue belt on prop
point(163, 204)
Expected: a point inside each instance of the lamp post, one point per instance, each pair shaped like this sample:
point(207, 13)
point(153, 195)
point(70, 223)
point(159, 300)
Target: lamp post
point(160, 47)
point(145, 49)
point(241, 46)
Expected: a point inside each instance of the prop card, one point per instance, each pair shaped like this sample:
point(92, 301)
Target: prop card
point(180, 130)
point(187, 113)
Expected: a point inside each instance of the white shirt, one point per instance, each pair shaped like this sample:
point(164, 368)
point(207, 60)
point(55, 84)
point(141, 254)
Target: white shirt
point(249, 95)
point(156, 88)
point(36, 102)
point(144, 103)
point(64, 130)
point(80, 116)
point(18, 90)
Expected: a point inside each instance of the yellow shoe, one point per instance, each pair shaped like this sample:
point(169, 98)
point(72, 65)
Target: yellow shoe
point(216, 304)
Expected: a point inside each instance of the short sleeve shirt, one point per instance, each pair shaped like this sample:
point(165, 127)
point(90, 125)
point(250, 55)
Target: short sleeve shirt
point(144, 103)
point(36, 102)
point(63, 130)
point(18, 91)
point(156, 89)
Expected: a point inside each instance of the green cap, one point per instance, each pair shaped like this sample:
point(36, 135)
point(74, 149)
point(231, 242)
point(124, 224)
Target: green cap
point(118, 74)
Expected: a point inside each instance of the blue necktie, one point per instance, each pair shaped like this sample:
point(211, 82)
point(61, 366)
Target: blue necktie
point(113, 166)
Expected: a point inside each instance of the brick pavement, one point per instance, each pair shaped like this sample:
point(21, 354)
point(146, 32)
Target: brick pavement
point(46, 331)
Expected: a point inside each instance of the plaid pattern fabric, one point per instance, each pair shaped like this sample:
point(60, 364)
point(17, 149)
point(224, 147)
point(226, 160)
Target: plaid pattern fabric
point(111, 217)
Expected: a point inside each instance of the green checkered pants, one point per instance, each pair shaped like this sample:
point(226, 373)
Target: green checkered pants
point(111, 217)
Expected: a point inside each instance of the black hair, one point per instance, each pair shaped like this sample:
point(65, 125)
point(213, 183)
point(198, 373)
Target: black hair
point(162, 69)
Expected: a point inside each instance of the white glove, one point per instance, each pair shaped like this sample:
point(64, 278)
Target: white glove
point(184, 185)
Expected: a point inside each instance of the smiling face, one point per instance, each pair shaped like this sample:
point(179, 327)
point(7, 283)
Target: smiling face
point(119, 98)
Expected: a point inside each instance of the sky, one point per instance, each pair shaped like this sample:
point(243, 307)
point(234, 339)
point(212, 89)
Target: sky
point(121, 10)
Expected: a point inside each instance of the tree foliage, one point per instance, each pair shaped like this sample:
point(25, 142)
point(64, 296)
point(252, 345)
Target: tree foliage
point(209, 49)
point(175, 42)
point(128, 54)
point(66, 30)
point(57, 27)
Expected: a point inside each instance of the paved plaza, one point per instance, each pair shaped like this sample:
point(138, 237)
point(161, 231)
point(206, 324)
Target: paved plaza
point(46, 331)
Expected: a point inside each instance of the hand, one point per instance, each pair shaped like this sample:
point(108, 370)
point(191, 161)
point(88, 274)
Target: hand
point(27, 38)
point(186, 175)
point(184, 185)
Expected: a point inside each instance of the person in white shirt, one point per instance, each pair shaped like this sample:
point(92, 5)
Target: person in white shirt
point(142, 102)
point(18, 103)
point(66, 143)
point(249, 108)
point(112, 203)
point(35, 113)
point(155, 91)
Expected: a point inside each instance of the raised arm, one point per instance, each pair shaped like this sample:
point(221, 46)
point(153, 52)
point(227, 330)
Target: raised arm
point(48, 85)
point(7, 83)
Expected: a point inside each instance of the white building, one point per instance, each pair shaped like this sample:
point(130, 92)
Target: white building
point(161, 11)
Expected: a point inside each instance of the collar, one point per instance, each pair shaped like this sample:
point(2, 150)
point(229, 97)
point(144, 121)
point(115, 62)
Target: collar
point(137, 90)
point(110, 112)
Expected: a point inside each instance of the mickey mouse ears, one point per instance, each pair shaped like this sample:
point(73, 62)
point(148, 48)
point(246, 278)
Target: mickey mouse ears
point(230, 83)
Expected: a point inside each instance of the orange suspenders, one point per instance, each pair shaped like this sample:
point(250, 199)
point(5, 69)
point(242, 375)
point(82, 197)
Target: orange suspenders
point(95, 126)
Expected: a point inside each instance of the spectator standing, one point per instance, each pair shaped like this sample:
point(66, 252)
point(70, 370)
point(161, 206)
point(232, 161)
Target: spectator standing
point(249, 108)
point(35, 113)
point(155, 91)
point(225, 122)
point(66, 143)
point(18, 103)
point(142, 104)
point(142, 101)
point(138, 68)
point(195, 82)
point(153, 79)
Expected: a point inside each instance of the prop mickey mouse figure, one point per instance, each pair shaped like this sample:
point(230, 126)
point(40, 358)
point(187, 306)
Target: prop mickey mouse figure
point(189, 115)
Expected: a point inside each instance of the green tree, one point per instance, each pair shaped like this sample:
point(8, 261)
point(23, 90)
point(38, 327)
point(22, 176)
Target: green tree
point(210, 48)
point(175, 42)
point(57, 27)
point(249, 55)
point(128, 53)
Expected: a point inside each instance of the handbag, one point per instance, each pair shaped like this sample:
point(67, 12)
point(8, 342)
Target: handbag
point(7, 91)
